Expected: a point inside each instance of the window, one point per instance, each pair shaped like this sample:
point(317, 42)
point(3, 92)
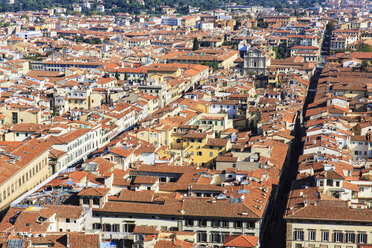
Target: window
point(67, 220)
point(200, 154)
point(216, 237)
point(128, 227)
point(298, 235)
point(115, 228)
point(202, 237)
point(238, 224)
point(362, 238)
point(329, 182)
point(106, 227)
point(216, 223)
point(172, 179)
point(312, 235)
point(202, 223)
point(223, 237)
point(337, 237)
point(321, 183)
point(96, 201)
point(325, 236)
point(189, 222)
point(337, 183)
point(350, 237)
point(250, 224)
point(224, 223)
point(211, 154)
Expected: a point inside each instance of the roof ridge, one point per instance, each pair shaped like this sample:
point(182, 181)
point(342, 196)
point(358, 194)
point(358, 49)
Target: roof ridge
point(245, 238)
point(250, 210)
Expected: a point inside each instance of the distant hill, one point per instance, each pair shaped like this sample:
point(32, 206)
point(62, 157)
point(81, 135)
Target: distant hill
point(33, 5)
point(151, 6)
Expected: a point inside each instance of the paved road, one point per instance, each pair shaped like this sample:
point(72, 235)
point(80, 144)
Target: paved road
point(275, 234)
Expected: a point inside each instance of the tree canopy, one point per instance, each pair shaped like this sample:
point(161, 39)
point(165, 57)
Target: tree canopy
point(151, 6)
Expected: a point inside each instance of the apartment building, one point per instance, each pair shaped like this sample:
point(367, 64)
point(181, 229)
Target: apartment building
point(16, 113)
point(119, 217)
point(316, 222)
point(23, 166)
point(81, 99)
point(63, 66)
point(75, 145)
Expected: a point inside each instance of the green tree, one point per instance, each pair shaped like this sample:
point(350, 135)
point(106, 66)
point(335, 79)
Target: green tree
point(117, 75)
point(365, 48)
point(79, 38)
point(331, 24)
point(196, 44)
point(215, 65)
point(125, 76)
point(280, 52)
point(261, 23)
point(364, 66)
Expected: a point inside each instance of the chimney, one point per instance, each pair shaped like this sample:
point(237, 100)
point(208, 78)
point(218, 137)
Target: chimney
point(67, 240)
point(182, 211)
point(108, 180)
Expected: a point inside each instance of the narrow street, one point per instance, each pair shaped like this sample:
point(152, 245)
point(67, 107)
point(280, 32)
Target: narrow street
point(276, 229)
point(275, 235)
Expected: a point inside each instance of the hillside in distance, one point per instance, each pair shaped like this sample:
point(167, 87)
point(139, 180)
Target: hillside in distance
point(150, 6)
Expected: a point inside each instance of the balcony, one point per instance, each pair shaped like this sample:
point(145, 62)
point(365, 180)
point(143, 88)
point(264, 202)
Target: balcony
point(111, 235)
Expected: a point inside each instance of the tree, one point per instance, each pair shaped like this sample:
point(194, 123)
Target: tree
point(196, 44)
point(364, 66)
point(79, 38)
point(215, 65)
point(279, 52)
point(365, 48)
point(125, 76)
point(117, 75)
point(331, 25)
